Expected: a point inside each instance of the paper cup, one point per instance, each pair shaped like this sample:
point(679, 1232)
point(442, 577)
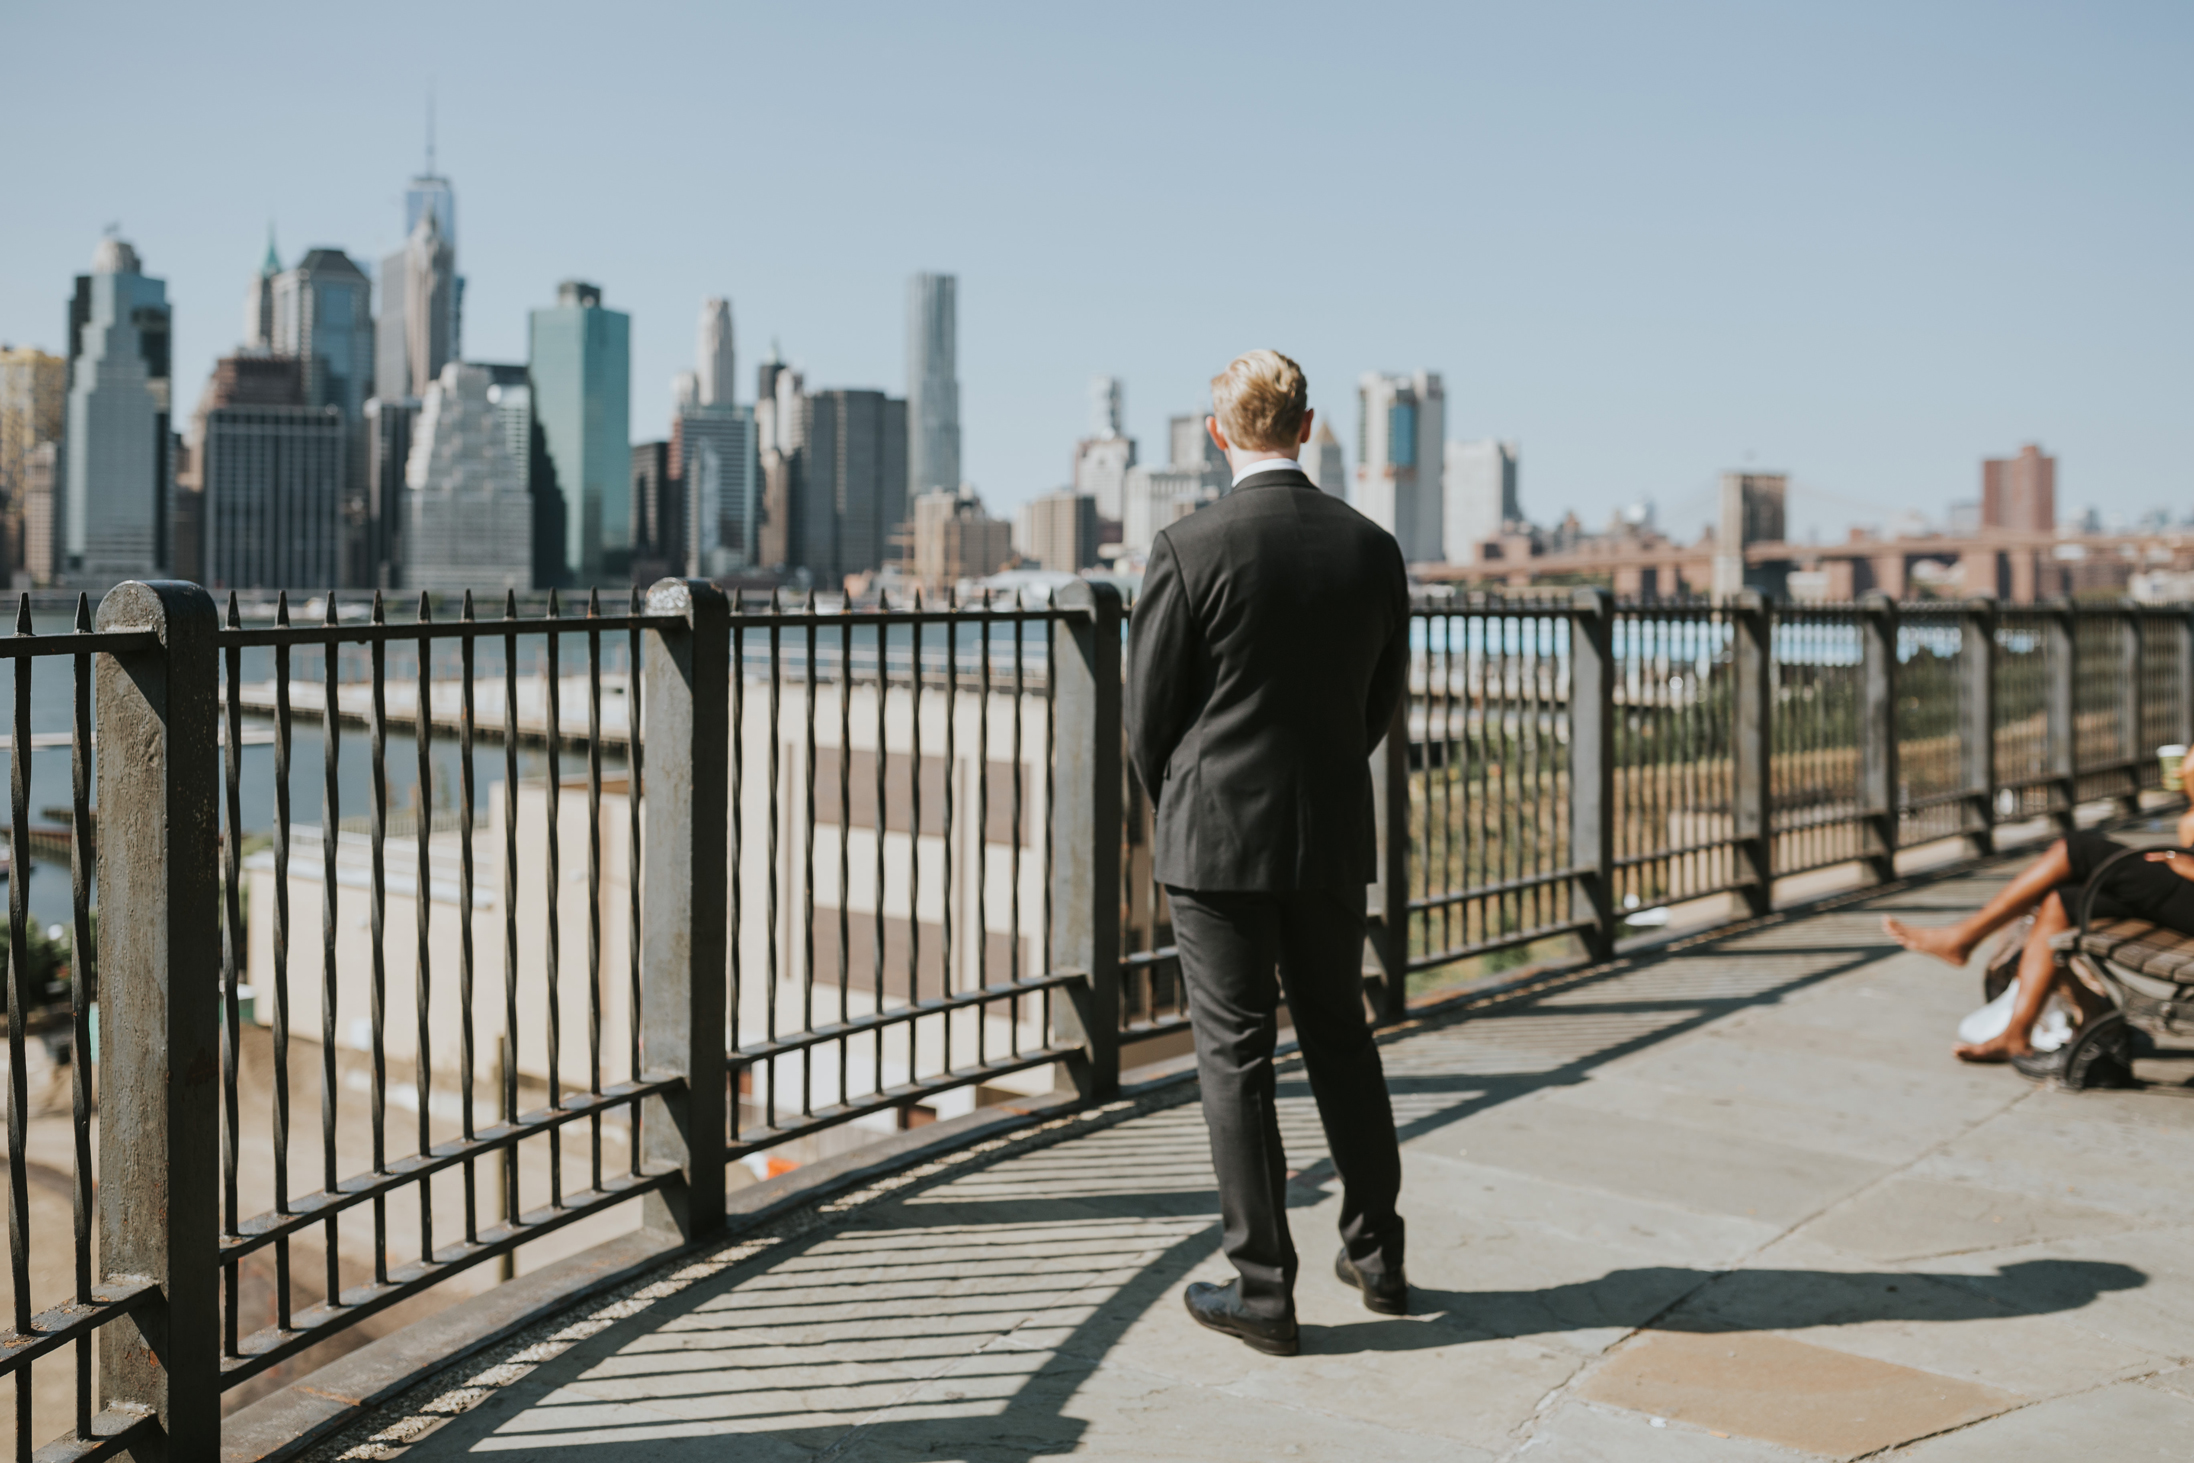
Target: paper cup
point(2173, 758)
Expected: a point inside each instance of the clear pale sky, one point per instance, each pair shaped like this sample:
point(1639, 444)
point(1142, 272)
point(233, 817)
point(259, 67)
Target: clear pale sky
point(1864, 243)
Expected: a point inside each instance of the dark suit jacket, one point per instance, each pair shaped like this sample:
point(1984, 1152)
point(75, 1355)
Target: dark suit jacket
point(1268, 649)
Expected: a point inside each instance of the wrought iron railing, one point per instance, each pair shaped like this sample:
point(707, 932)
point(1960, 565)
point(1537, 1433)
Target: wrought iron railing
point(749, 873)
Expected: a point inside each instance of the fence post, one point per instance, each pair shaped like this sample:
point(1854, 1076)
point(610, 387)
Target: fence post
point(1087, 829)
point(1977, 721)
point(2130, 660)
point(685, 690)
point(1878, 773)
point(159, 978)
point(2064, 684)
point(2185, 681)
point(1390, 895)
point(1752, 650)
point(1592, 765)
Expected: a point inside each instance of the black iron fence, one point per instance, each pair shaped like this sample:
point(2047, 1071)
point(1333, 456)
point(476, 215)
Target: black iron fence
point(1573, 767)
point(667, 886)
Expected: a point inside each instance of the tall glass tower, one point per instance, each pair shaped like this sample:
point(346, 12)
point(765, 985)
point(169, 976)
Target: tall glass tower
point(581, 360)
point(323, 317)
point(933, 384)
point(117, 469)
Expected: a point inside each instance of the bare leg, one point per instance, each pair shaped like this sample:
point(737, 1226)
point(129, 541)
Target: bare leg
point(2037, 976)
point(1954, 943)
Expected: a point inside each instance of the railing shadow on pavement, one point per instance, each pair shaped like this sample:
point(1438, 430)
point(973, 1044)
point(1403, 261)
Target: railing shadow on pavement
point(970, 1308)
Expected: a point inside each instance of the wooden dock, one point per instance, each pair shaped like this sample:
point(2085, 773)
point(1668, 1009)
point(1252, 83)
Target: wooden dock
point(445, 704)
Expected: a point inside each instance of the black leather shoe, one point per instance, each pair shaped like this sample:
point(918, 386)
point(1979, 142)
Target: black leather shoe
point(1386, 1294)
point(1220, 1308)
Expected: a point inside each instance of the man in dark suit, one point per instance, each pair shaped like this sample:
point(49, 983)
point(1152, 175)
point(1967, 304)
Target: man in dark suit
point(1268, 649)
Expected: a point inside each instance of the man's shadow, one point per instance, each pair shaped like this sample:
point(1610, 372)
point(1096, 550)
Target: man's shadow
point(1676, 1298)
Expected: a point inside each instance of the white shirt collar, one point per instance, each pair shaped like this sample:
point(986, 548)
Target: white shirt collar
point(1266, 464)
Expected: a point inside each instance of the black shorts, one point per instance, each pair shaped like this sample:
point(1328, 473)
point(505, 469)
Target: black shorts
point(2134, 889)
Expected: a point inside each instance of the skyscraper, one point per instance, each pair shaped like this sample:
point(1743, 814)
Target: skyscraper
point(658, 513)
point(389, 424)
point(712, 458)
point(852, 482)
point(422, 295)
point(271, 471)
point(715, 362)
point(1059, 531)
point(713, 453)
point(1401, 430)
point(469, 523)
point(1101, 459)
point(1157, 497)
point(259, 300)
point(954, 539)
point(581, 358)
point(33, 388)
point(1107, 406)
point(429, 303)
point(323, 316)
point(1481, 497)
point(118, 467)
point(430, 194)
point(1322, 462)
point(1101, 466)
point(1752, 505)
point(39, 472)
point(1191, 448)
point(1154, 497)
point(933, 383)
point(418, 329)
point(2020, 492)
point(780, 433)
point(510, 392)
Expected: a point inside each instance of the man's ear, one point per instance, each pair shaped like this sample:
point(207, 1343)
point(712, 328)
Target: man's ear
point(1304, 435)
point(1211, 425)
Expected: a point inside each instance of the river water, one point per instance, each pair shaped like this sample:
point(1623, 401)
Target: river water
point(51, 710)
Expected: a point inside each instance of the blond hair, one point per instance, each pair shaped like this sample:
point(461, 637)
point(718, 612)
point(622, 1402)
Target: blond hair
point(1260, 399)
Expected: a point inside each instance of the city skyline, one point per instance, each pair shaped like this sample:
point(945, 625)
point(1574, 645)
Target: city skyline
point(1853, 322)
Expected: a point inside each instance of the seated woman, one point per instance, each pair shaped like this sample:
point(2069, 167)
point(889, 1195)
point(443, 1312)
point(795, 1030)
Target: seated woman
point(2159, 889)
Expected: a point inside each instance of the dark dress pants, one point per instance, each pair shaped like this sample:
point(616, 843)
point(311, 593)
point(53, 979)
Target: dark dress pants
point(1231, 945)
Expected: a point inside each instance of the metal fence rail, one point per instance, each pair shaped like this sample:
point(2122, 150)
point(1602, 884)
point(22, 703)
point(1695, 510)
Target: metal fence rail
point(457, 1223)
point(1675, 755)
point(882, 860)
point(1487, 718)
point(96, 1297)
point(1933, 799)
point(1815, 793)
point(901, 760)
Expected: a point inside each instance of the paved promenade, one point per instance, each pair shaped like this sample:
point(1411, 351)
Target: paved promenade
point(1734, 1203)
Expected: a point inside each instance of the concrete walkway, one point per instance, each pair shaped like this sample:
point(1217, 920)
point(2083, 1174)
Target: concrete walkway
point(1734, 1203)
